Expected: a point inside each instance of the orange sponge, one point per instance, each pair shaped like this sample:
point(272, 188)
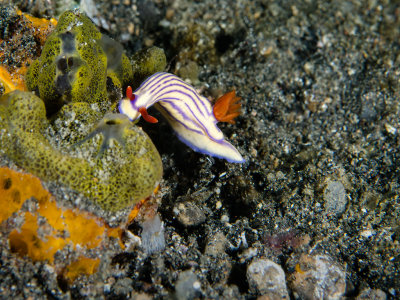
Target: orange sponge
point(83, 265)
point(15, 188)
point(58, 227)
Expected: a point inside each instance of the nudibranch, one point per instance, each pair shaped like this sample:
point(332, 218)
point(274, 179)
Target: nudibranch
point(191, 115)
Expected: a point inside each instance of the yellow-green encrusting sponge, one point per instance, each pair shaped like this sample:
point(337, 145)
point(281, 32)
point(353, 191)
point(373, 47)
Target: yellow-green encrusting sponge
point(79, 73)
point(127, 169)
point(146, 62)
point(75, 63)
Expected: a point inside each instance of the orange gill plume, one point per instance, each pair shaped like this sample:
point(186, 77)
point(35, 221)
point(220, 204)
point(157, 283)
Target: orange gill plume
point(227, 108)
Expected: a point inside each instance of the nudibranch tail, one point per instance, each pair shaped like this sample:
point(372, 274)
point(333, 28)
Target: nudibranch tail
point(190, 114)
point(227, 108)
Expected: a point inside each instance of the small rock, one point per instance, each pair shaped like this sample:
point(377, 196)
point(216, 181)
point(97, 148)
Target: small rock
point(187, 286)
point(140, 296)
point(248, 254)
point(231, 292)
point(335, 198)
point(123, 286)
point(268, 279)
point(390, 129)
point(189, 214)
point(369, 104)
point(189, 71)
point(216, 260)
point(318, 277)
point(216, 245)
point(369, 294)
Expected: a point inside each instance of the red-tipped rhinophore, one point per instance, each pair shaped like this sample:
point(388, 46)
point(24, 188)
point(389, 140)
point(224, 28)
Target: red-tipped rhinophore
point(129, 93)
point(146, 116)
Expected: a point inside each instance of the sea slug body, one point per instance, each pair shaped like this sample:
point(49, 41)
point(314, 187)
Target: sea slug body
point(191, 115)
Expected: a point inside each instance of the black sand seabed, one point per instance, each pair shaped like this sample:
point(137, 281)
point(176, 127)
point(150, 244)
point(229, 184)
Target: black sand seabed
point(319, 192)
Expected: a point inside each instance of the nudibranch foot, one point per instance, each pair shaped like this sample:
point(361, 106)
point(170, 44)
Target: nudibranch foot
point(112, 128)
point(202, 143)
point(227, 108)
point(190, 114)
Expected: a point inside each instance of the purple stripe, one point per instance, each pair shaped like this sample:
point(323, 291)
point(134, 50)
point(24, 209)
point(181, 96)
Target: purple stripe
point(190, 88)
point(183, 114)
point(181, 83)
point(149, 81)
point(158, 86)
point(199, 97)
point(161, 108)
point(133, 104)
point(152, 80)
point(182, 100)
point(178, 110)
point(190, 95)
point(121, 110)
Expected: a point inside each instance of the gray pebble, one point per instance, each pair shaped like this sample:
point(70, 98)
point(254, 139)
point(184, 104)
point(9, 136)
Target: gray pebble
point(318, 277)
point(216, 245)
point(268, 279)
point(371, 295)
point(335, 198)
point(189, 214)
point(123, 286)
point(187, 286)
point(216, 259)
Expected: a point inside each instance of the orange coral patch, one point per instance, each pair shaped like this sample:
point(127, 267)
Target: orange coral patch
point(41, 26)
point(52, 213)
point(27, 242)
point(116, 232)
point(15, 188)
point(83, 229)
point(11, 77)
point(135, 211)
point(5, 79)
point(58, 226)
point(14, 81)
point(83, 266)
point(38, 22)
point(48, 228)
point(227, 108)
